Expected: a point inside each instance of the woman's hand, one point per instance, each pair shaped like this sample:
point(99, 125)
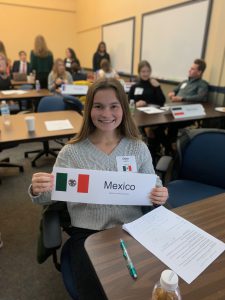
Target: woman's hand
point(141, 103)
point(42, 182)
point(58, 81)
point(159, 195)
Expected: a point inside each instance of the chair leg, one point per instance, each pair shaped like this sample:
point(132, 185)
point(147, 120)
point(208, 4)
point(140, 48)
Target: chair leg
point(46, 151)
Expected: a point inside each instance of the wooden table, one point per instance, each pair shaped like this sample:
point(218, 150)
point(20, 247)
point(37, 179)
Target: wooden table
point(147, 120)
point(106, 256)
point(17, 132)
point(19, 83)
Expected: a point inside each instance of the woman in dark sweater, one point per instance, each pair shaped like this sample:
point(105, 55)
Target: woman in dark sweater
point(99, 55)
point(41, 60)
point(147, 91)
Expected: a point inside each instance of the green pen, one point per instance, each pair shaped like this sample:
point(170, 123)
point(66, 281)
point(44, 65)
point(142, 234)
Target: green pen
point(130, 264)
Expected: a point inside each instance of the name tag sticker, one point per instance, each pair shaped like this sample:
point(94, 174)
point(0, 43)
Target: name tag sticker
point(126, 164)
point(183, 85)
point(138, 91)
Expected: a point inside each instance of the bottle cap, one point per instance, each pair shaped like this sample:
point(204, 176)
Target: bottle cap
point(169, 280)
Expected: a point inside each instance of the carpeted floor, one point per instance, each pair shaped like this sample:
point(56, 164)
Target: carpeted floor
point(21, 277)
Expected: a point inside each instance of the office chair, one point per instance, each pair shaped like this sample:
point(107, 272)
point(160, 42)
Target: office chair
point(54, 103)
point(199, 168)
point(55, 219)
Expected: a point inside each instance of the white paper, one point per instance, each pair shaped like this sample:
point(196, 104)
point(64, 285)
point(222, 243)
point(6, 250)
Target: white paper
point(220, 109)
point(150, 110)
point(126, 163)
point(182, 246)
point(103, 187)
point(58, 125)
point(13, 92)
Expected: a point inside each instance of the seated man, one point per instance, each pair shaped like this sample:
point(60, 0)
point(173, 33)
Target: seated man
point(193, 90)
point(21, 65)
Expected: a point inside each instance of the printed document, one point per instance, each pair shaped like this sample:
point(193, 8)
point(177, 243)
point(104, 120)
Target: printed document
point(102, 187)
point(58, 125)
point(182, 246)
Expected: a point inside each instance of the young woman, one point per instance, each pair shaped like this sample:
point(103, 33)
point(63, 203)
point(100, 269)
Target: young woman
point(100, 54)
point(8, 61)
point(5, 80)
point(106, 70)
point(108, 132)
point(145, 92)
point(70, 59)
point(41, 60)
point(58, 76)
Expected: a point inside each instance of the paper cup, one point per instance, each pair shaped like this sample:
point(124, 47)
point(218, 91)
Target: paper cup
point(30, 121)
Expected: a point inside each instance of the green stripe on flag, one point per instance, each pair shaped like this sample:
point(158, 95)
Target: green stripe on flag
point(61, 182)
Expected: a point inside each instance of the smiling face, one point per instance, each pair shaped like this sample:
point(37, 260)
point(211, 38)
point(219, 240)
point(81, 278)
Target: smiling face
point(145, 73)
point(106, 112)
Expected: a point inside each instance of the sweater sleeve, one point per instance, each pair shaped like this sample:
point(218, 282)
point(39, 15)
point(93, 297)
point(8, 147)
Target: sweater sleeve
point(159, 96)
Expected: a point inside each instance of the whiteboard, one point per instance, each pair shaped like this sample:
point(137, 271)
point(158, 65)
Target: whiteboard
point(173, 38)
point(119, 39)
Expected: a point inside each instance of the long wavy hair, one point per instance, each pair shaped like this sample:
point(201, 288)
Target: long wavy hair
point(40, 46)
point(55, 69)
point(127, 128)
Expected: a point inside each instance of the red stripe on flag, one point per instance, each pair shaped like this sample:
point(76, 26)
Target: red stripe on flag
point(179, 114)
point(83, 183)
point(130, 168)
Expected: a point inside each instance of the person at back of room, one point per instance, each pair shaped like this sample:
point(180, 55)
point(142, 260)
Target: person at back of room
point(77, 73)
point(5, 80)
point(70, 59)
point(100, 54)
point(58, 76)
point(192, 90)
point(147, 91)
point(108, 132)
point(8, 61)
point(106, 70)
point(41, 60)
point(21, 65)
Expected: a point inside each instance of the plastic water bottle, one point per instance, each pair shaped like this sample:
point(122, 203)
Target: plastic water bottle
point(37, 85)
point(132, 106)
point(167, 287)
point(5, 112)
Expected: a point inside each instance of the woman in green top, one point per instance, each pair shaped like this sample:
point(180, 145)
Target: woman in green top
point(41, 60)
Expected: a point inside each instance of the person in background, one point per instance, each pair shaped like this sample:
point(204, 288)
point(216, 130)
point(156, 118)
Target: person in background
point(108, 132)
point(147, 91)
point(106, 70)
point(77, 73)
point(5, 80)
point(194, 89)
point(70, 59)
point(41, 60)
point(21, 65)
point(100, 54)
point(8, 61)
point(58, 76)
point(1, 242)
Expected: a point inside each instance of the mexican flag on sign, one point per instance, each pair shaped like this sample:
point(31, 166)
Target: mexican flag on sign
point(81, 183)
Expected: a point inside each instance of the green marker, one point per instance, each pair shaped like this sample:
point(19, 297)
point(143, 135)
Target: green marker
point(130, 264)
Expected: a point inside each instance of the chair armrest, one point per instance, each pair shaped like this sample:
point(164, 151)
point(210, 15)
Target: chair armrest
point(52, 235)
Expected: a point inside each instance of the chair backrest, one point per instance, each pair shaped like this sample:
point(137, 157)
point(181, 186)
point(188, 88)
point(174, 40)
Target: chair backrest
point(51, 103)
point(202, 156)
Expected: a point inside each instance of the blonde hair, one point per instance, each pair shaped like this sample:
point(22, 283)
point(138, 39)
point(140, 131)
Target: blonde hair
point(127, 127)
point(55, 70)
point(40, 46)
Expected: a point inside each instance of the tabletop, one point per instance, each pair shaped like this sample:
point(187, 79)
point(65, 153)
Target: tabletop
point(17, 132)
point(106, 256)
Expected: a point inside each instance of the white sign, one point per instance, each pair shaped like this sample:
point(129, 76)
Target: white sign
point(187, 111)
point(182, 246)
point(102, 187)
point(73, 89)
